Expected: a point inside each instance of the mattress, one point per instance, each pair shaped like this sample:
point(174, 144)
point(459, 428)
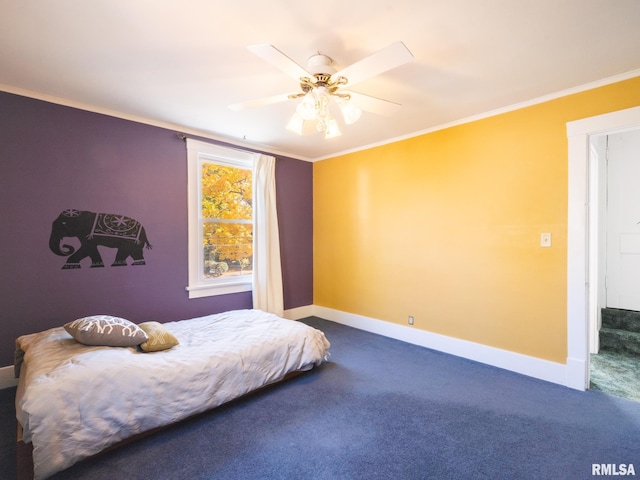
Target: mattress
point(74, 401)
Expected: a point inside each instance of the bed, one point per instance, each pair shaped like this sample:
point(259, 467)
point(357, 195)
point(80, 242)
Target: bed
point(75, 400)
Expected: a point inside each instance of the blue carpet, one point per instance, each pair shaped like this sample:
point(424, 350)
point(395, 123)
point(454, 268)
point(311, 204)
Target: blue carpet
point(384, 409)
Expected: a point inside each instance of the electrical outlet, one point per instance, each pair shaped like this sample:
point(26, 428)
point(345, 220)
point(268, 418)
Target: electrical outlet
point(410, 320)
point(545, 239)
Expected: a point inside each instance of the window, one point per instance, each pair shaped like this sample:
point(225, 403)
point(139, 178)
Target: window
point(220, 219)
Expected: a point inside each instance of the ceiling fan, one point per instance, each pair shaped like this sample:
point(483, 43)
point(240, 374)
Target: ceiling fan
point(320, 84)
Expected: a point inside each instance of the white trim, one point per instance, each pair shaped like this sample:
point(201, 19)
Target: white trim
point(239, 142)
point(200, 291)
point(267, 149)
point(7, 377)
point(514, 362)
point(197, 153)
point(493, 113)
point(577, 344)
point(582, 254)
point(299, 312)
point(607, 123)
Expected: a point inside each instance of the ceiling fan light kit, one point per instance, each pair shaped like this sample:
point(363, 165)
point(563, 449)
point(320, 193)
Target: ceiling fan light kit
point(350, 112)
point(321, 86)
point(315, 107)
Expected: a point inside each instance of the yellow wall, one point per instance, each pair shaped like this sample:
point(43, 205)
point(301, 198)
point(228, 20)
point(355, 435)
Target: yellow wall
point(446, 227)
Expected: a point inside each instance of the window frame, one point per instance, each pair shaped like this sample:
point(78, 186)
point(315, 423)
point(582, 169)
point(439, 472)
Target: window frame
point(198, 153)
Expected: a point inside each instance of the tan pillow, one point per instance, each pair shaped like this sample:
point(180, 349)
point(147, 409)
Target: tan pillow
point(106, 330)
point(160, 338)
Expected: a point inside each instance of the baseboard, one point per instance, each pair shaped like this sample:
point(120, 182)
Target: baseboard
point(7, 377)
point(577, 374)
point(515, 362)
point(299, 312)
point(530, 366)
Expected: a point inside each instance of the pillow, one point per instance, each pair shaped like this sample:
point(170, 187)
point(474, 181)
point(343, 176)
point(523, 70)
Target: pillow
point(106, 330)
point(159, 337)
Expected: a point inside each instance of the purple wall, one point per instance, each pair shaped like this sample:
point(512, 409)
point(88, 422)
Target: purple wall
point(54, 158)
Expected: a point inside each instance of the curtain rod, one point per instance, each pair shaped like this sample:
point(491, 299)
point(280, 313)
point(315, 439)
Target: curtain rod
point(184, 137)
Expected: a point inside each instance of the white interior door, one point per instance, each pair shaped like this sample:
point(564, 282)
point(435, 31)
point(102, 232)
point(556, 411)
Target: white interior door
point(623, 221)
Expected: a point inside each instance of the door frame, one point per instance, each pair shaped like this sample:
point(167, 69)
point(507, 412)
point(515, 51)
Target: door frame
point(583, 233)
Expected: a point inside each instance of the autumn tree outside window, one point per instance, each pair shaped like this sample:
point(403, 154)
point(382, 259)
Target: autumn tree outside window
point(220, 219)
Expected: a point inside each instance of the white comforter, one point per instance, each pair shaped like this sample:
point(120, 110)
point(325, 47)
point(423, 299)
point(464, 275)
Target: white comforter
point(74, 400)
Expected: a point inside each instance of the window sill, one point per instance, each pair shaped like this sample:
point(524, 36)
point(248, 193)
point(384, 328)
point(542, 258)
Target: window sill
point(199, 291)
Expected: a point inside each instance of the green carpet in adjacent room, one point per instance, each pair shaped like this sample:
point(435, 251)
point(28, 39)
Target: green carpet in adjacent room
point(616, 373)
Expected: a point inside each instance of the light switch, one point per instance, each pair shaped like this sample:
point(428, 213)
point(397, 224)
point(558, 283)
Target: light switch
point(545, 239)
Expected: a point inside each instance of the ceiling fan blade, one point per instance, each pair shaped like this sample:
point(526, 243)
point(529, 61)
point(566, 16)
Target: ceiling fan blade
point(260, 102)
point(275, 57)
point(372, 104)
point(389, 57)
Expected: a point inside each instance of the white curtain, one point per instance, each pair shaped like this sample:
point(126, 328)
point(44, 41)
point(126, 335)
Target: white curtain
point(267, 271)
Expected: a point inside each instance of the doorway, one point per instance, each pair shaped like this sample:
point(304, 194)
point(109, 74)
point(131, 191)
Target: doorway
point(614, 347)
point(585, 278)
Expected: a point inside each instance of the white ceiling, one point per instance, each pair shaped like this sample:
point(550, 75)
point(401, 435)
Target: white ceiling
point(182, 63)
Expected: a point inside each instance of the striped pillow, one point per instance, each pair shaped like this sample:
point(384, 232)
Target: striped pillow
point(106, 330)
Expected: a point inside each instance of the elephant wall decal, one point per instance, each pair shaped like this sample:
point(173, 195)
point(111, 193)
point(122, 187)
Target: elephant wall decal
point(98, 229)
